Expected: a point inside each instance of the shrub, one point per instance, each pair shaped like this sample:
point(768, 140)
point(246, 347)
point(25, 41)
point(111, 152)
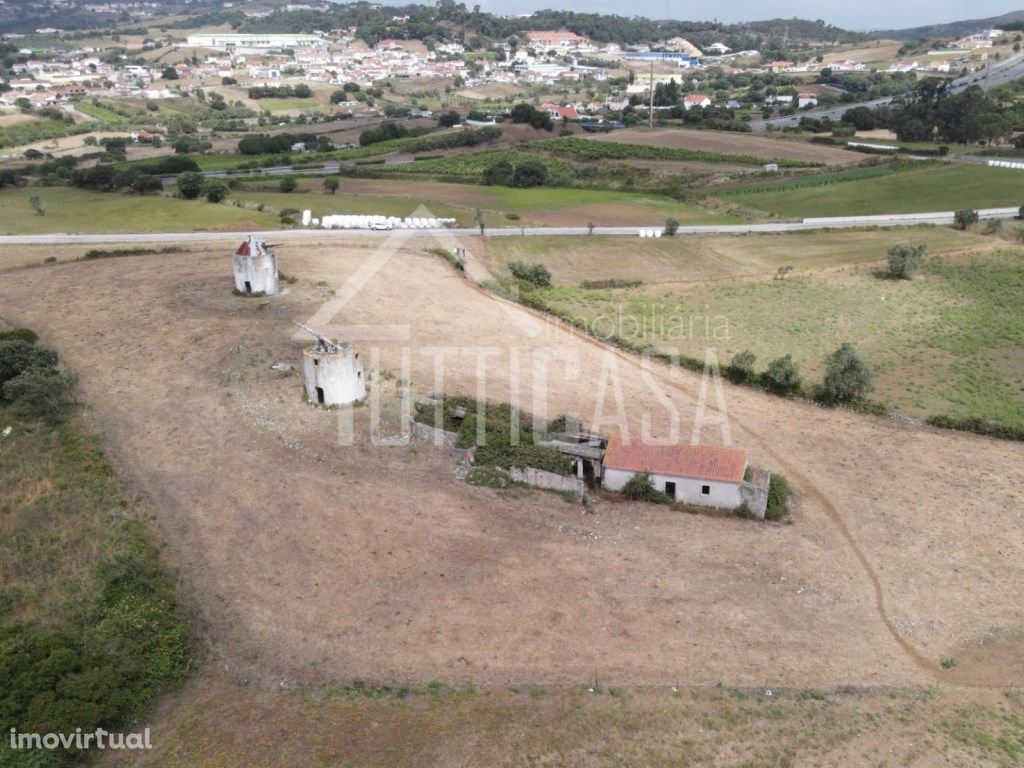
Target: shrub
point(741, 368)
point(190, 185)
point(782, 377)
point(216, 191)
point(965, 218)
point(778, 498)
point(530, 173)
point(144, 183)
point(18, 355)
point(288, 184)
point(904, 260)
point(331, 184)
point(535, 274)
point(671, 227)
point(847, 377)
point(40, 394)
point(24, 334)
point(490, 477)
point(500, 173)
point(639, 488)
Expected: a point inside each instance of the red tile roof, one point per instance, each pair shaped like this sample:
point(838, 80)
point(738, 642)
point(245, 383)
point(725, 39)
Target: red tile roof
point(700, 462)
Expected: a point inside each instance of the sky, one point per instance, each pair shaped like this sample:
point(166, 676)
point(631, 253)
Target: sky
point(860, 15)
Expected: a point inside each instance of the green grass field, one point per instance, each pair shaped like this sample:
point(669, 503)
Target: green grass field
point(81, 211)
point(951, 341)
point(283, 105)
point(930, 187)
point(321, 204)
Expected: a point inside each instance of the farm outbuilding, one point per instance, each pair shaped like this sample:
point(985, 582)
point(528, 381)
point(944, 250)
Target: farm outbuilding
point(705, 475)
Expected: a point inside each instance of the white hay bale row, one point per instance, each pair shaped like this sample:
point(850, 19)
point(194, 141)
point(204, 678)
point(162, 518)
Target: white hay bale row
point(362, 221)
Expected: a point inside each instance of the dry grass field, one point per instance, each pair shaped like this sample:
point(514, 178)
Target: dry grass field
point(711, 258)
point(732, 143)
point(305, 562)
point(281, 541)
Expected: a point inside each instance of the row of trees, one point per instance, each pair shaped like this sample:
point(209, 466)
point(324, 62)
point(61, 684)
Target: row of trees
point(300, 91)
point(847, 378)
point(529, 173)
point(964, 118)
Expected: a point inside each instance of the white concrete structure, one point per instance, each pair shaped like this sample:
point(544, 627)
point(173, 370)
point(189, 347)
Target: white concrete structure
point(334, 373)
point(255, 268)
point(693, 474)
point(251, 43)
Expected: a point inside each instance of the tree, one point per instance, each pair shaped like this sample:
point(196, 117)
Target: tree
point(449, 119)
point(216, 191)
point(40, 393)
point(861, 118)
point(904, 260)
point(331, 184)
point(228, 81)
point(288, 184)
point(965, 218)
point(671, 227)
point(782, 377)
point(169, 73)
point(38, 205)
point(20, 355)
point(847, 377)
point(190, 185)
point(302, 91)
point(530, 173)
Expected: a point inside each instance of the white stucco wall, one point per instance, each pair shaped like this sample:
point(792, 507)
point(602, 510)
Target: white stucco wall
point(340, 375)
point(259, 271)
point(688, 490)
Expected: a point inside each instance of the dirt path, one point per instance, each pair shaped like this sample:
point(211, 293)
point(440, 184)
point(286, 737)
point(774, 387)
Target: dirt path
point(308, 561)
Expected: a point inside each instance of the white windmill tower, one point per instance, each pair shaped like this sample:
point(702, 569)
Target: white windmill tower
point(255, 267)
point(334, 372)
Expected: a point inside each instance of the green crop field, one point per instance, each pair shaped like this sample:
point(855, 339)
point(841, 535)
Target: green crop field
point(951, 341)
point(101, 113)
point(74, 210)
point(927, 187)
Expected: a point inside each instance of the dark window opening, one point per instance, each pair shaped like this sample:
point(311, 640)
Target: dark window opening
point(705, 490)
point(670, 489)
point(248, 287)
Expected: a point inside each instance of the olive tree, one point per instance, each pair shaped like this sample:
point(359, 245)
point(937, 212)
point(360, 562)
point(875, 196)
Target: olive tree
point(847, 377)
point(904, 260)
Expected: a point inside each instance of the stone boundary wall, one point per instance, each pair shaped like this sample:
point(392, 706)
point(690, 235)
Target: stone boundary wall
point(427, 434)
point(549, 480)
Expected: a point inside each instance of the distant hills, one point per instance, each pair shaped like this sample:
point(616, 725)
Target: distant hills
point(952, 29)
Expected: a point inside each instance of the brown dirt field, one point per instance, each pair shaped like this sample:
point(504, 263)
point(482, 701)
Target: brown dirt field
point(309, 562)
point(731, 143)
point(876, 51)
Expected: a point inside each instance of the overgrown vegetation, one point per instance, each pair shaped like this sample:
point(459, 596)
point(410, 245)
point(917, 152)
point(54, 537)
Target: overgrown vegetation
point(90, 631)
point(778, 498)
point(508, 436)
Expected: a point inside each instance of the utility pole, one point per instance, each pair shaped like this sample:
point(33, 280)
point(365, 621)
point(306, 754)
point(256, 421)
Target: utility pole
point(650, 113)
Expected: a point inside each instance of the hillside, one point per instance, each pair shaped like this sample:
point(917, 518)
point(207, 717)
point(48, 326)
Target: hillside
point(953, 28)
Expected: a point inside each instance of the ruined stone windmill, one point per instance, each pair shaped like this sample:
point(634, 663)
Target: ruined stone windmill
point(334, 372)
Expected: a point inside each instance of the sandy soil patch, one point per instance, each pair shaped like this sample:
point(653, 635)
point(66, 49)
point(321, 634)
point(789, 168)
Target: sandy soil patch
point(307, 561)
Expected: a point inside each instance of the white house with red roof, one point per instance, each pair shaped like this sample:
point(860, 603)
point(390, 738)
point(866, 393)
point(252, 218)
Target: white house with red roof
point(705, 475)
point(698, 100)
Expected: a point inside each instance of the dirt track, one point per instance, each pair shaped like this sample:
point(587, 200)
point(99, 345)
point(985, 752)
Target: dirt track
point(313, 562)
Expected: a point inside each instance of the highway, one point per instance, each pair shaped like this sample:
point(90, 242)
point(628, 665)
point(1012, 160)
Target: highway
point(939, 218)
point(990, 77)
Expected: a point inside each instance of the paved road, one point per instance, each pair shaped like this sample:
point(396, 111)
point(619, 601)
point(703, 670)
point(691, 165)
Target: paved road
point(990, 77)
point(942, 218)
